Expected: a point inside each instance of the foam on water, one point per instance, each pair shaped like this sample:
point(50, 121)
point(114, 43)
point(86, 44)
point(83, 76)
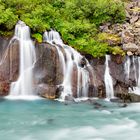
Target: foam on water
point(23, 97)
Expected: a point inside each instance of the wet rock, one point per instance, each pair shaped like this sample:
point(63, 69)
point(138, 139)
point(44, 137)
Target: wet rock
point(59, 90)
point(69, 98)
point(4, 88)
point(83, 62)
point(123, 105)
point(115, 100)
point(117, 59)
point(50, 121)
point(47, 91)
point(48, 68)
point(129, 97)
point(74, 81)
point(9, 64)
point(98, 105)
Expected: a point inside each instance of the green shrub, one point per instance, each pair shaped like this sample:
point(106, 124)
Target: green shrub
point(116, 50)
point(76, 20)
point(38, 37)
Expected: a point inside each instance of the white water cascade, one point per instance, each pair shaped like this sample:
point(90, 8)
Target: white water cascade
point(23, 87)
point(127, 67)
point(72, 60)
point(108, 80)
point(136, 89)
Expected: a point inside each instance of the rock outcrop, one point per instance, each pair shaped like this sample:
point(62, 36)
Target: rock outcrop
point(48, 72)
point(9, 64)
point(129, 31)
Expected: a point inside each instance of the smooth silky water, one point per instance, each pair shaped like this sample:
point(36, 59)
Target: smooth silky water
point(53, 120)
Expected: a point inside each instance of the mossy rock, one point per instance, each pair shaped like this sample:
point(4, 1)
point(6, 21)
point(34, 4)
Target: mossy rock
point(38, 37)
point(135, 9)
point(111, 39)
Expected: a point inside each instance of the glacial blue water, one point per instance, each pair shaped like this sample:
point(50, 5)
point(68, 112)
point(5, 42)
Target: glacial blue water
point(53, 120)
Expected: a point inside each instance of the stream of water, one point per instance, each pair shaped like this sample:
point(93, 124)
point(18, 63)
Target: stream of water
point(70, 59)
point(23, 87)
point(108, 79)
point(52, 120)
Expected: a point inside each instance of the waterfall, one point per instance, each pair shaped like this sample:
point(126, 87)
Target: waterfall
point(71, 59)
point(127, 67)
point(24, 85)
point(136, 89)
point(108, 80)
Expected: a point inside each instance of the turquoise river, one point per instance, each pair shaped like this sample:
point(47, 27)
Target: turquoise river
point(54, 120)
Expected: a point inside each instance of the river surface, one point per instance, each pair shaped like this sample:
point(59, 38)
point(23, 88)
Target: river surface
point(53, 120)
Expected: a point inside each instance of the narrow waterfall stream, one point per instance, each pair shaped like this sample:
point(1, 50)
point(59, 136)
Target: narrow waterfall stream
point(127, 67)
point(108, 80)
point(136, 89)
point(71, 59)
point(24, 85)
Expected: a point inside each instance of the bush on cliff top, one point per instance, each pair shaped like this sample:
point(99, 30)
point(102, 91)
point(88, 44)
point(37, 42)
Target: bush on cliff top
point(76, 20)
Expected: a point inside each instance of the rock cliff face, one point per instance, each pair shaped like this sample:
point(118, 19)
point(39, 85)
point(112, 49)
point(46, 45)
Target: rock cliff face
point(9, 64)
point(121, 83)
point(48, 73)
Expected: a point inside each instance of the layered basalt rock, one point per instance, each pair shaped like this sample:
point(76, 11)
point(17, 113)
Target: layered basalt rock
point(9, 64)
point(48, 72)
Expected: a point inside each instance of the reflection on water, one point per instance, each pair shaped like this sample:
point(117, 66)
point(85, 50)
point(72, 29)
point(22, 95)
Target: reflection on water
point(52, 120)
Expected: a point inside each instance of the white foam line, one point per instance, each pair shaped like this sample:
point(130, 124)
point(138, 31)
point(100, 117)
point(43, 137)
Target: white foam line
point(24, 97)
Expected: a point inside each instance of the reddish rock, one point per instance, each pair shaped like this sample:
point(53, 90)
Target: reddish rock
point(74, 81)
point(49, 91)
point(48, 68)
point(9, 63)
point(118, 59)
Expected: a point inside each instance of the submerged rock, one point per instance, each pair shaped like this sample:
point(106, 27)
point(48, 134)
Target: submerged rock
point(49, 91)
point(69, 98)
point(129, 97)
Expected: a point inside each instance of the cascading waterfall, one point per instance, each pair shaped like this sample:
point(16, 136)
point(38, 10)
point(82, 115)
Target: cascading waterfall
point(73, 58)
point(24, 85)
point(127, 67)
point(136, 89)
point(108, 80)
point(134, 67)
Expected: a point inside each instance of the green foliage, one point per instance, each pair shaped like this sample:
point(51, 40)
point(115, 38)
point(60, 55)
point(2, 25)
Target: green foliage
point(7, 18)
point(76, 20)
point(112, 39)
point(38, 37)
point(116, 50)
point(93, 47)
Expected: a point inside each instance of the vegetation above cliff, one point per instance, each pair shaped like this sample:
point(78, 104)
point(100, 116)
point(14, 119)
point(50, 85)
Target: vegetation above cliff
point(76, 20)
